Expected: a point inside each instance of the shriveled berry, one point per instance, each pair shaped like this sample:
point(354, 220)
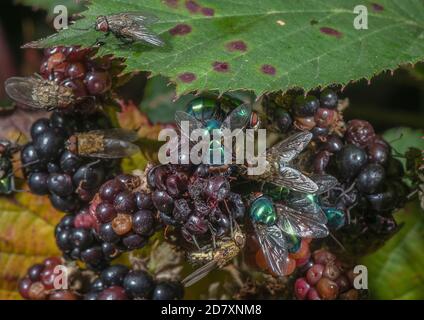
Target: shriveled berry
point(196, 225)
point(122, 224)
point(359, 133)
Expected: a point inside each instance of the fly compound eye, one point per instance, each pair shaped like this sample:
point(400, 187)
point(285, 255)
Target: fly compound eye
point(101, 24)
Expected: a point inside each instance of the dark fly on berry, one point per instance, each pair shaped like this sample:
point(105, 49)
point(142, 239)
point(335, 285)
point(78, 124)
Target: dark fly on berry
point(7, 180)
point(129, 27)
point(38, 93)
point(110, 144)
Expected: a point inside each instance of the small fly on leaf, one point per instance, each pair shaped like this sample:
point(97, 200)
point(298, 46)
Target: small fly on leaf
point(129, 27)
point(109, 144)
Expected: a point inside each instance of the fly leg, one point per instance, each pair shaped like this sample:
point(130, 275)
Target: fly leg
point(213, 234)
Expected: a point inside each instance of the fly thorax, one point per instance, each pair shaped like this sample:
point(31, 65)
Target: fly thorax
point(90, 143)
point(262, 210)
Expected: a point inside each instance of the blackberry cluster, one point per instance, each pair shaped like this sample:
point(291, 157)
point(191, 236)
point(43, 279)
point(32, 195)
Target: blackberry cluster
point(118, 282)
point(320, 116)
point(371, 183)
point(68, 179)
point(195, 199)
point(78, 69)
point(78, 240)
point(371, 186)
point(38, 283)
point(326, 278)
point(124, 214)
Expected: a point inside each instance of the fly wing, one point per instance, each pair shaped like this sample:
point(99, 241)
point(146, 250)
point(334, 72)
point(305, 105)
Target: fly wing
point(115, 149)
point(238, 118)
point(307, 204)
point(21, 90)
point(325, 182)
point(141, 33)
point(274, 247)
point(117, 133)
point(199, 273)
point(297, 223)
point(144, 18)
point(193, 123)
point(294, 180)
point(289, 148)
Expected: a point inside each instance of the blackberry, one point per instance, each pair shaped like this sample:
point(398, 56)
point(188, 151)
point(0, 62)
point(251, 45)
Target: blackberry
point(76, 237)
point(124, 213)
point(68, 180)
point(38, 283)
point(192, 201)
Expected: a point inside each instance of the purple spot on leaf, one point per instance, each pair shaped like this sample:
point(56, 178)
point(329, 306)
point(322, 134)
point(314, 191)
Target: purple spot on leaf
point(331, 32)
point(377, 7)
point(172, 3)
point(268, 69)
point(221, 66)
point(236, 45)
point(209, 12)
point(192, 6)
point(187, 77)
point(180, 29)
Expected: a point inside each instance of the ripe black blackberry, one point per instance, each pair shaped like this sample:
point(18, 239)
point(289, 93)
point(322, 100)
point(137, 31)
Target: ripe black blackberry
point(123, 213)
point(76, 237)
point(68, 179)
point(118, 282)
point(196, 200)
point(326, 278)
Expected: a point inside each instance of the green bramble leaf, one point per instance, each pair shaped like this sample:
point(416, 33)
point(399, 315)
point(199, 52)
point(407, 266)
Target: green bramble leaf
point(396, 271)
point(261, 45)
